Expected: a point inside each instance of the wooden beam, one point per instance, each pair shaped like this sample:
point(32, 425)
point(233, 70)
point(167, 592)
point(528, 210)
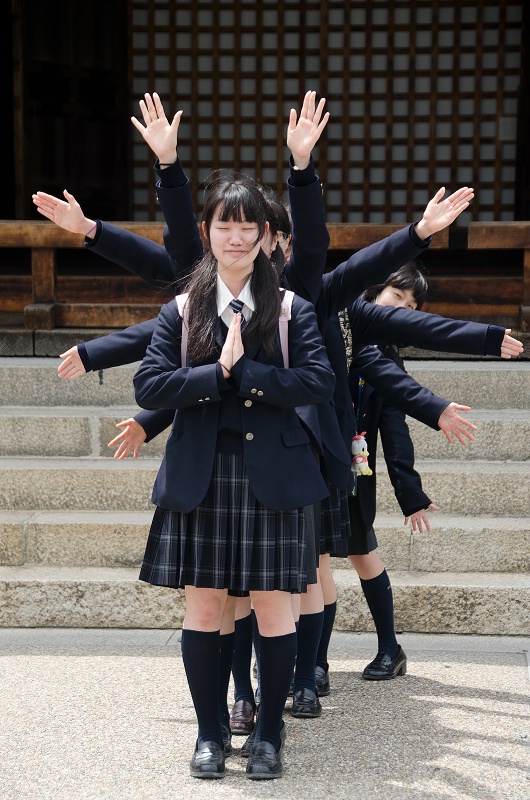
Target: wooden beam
point(350, 236)
point(79, 315)
point(498, 235)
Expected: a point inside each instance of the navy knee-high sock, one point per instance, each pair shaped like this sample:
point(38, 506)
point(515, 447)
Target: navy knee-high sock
point(242, 661)
point(201, 657)
point(330, 609)
point(226, 654)
point(378, 593)
point(309, 633)
point(277, 655)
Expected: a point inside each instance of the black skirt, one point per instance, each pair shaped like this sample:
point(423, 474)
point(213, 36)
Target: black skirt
point(334, 517)
point(229, 541)
point(359, 541)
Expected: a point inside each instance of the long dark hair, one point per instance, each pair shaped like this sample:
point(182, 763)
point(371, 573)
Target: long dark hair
point(237, 198)
point(409, 276)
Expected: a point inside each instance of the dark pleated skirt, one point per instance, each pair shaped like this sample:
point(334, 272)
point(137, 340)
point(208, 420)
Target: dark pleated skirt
point(359, 541)
point(334, 518)
point(229, 541)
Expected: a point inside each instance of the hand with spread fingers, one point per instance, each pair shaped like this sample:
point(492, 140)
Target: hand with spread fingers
point(420, 518)
point(130, 439)
point(440, 213)
point(452, 424)
point(158, 132)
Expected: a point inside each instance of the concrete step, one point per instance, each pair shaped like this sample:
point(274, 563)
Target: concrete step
point(70, 431)
point(101, 483)
point(465, 603)
point(454, 544)
point(110, 539)
point(480, 384)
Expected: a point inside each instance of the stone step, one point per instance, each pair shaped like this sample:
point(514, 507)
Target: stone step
point(465, 603)
point(71, 431)
point(480, 384)
point(109, 539)
point(46, 484)
point(470, 602)
point(454, 544)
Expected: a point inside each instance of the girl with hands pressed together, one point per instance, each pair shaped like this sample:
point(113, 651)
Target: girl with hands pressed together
point(239, 467)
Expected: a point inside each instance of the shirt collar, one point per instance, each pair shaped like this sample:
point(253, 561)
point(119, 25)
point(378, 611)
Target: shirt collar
point(224, 296)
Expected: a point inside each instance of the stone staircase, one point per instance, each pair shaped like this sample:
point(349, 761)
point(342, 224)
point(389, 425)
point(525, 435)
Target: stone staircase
point(74, 522)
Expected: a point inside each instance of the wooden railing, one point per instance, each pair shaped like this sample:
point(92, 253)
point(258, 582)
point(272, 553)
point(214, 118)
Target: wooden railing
point(80, 302)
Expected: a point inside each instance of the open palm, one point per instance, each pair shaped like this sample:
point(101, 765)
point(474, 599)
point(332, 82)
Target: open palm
point(158, 132)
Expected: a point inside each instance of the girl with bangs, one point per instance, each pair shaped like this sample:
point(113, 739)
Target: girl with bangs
point(239, 467)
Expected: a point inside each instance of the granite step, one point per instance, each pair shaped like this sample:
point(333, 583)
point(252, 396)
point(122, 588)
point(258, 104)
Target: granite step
point(480, 384)
point(101, 483)
point(110, 539)
point(71, 431)
point(89, 597)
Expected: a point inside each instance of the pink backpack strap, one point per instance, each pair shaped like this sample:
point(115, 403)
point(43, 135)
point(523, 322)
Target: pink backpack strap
point(283, 324)
point(182, 305)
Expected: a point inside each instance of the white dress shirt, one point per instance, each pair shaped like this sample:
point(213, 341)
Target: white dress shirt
point(224, 296)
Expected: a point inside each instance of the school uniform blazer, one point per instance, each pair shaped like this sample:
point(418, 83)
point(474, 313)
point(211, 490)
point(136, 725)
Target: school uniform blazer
point(377, 415)
point(282, 469)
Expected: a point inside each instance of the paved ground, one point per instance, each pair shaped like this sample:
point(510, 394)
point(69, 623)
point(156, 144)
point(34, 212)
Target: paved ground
point(106, 714)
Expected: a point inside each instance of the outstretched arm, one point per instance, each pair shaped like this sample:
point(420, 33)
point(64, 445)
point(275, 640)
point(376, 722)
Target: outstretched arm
point(373, 264)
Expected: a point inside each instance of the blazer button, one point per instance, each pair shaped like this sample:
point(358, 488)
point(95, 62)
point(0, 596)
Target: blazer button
point(201, 401)
point(249, 437)
point(253, 391)
point(248, 403)
point(206, 398)
point(260, 393)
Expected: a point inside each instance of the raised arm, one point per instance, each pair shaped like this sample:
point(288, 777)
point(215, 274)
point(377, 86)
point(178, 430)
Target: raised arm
point(310, 237)
point(181, 235)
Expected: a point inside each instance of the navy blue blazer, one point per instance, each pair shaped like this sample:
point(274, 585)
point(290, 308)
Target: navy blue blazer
point(281, 466)
point(376, 415)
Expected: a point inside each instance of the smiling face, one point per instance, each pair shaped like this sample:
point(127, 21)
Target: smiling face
point(397, 298)
point(234, 244)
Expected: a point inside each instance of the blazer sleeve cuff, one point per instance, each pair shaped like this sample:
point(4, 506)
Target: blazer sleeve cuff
point(91, 242)
point(494, 337)
point(415, 239)
point(407, 512)
point(170, 177)
point(302, 177)
point(85, 358)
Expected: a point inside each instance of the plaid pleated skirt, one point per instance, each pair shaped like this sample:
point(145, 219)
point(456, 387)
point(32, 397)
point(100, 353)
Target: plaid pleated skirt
point(229, 541)
point(334, 518)
point(359, 541)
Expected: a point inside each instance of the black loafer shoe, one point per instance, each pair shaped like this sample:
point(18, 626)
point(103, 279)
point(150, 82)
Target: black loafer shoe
point(248, 745)
point(306, 704)
point(264, 762)
point(227, 741)
point(383, 667)
point(208, 761)
point(322, 680)
point(242, 718)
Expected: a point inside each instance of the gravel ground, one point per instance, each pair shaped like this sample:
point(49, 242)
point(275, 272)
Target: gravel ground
point(106, 714)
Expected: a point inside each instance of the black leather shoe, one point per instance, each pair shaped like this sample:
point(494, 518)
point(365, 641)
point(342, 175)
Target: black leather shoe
point(248, 745)
point(264, 762)
point(242, 718)
point(227, 741)
point(306, 704)
point(383, 667)
point(322, 680)
point(208, 761)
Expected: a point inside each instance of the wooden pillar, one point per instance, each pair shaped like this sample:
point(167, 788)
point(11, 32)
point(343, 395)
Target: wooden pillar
point(524, 322)
point(40, 315)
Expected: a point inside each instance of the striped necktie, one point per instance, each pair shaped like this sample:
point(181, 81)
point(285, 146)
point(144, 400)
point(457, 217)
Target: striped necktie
point(237, 308)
